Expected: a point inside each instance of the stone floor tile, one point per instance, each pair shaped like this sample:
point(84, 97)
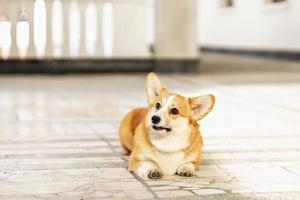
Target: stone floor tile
point(173, 193)
point(104, 128)
point(159, 188)
point(208, 191)
point(187, 184)
point(158, 182)
point(59, 137)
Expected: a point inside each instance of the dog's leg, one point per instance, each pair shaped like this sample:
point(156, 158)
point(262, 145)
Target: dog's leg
point(186, 169)
point(124, 151)
point(148, 169)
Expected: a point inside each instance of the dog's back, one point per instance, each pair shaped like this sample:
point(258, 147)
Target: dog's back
point(128, 126)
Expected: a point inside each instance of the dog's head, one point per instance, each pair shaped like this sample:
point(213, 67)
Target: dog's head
point(171, 113)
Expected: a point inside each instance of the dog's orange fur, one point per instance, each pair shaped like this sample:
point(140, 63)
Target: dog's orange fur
point(128, 126)
point(136, 140)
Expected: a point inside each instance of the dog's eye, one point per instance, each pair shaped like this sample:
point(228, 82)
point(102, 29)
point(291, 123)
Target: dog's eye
point(157, 106)
point(174, 111)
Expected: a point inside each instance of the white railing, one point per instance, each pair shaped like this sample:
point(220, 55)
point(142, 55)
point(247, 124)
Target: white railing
point(67, 29)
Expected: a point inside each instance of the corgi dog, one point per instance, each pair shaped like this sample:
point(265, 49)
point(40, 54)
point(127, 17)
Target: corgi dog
point(164, 138)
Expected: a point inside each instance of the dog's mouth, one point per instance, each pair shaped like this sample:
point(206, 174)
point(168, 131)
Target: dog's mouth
point(160, 128)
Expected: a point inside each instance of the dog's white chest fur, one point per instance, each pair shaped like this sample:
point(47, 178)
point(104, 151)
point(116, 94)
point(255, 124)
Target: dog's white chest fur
point(168, 162)
point(169, 150)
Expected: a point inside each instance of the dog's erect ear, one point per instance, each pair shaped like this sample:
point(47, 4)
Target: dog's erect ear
point(201, 106)
point(153, 86)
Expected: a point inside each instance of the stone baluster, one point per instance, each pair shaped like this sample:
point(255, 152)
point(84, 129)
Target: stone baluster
point(66, 12)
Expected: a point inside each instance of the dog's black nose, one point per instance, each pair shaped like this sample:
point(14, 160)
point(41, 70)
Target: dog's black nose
point(155, 119)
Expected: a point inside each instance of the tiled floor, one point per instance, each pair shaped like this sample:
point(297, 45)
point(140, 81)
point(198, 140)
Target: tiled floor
point(58, 137)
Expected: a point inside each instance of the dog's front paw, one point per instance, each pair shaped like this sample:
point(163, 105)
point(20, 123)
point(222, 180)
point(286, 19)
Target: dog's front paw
point(148, 169)
point(186, 170)
point(154, 174)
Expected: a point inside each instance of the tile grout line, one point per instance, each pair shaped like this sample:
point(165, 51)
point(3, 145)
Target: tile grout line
point(123, 158)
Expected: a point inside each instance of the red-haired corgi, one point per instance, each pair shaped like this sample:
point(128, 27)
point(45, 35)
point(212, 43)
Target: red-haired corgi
point(164, 139)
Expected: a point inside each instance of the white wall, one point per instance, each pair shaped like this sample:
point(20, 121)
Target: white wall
point(250, 24)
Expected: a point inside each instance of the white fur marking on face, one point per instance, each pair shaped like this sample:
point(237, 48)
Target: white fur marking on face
point(164, 109)
point(168, 102)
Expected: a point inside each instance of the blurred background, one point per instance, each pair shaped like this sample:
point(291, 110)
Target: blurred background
point(144, 35)
point(59, 130)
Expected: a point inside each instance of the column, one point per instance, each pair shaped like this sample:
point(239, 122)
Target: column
point(99, 8)
point(176, 35)
point(12, 13)
point(31, 51)
point(130, 28)
point(4, 53)
point(82, 7)
point(57, 29)
point(49, 52)
point(66, 11)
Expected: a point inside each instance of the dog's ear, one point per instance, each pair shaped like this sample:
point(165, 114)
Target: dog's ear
point(153, 86)
point(201, 106)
